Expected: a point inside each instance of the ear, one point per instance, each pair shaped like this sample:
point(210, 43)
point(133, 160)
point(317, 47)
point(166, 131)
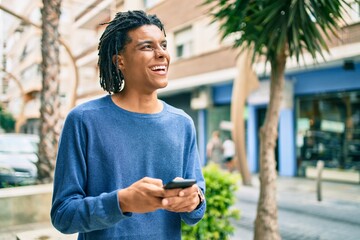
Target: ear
point(120, 61)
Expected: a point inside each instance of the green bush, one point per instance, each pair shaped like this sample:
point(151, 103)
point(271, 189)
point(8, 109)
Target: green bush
point(7, 122)
point(220, 196)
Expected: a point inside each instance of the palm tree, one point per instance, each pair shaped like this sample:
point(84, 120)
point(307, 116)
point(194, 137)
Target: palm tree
point(276, 30)
point(50, 100)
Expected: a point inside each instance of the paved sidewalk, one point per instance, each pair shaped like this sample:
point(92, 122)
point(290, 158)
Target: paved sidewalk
point(301, 216)
point(295, 194)
point(35, 231)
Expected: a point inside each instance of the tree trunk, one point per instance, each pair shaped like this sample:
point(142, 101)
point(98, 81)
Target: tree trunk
point(245, 82)
point(50, 99)
point(266, 225)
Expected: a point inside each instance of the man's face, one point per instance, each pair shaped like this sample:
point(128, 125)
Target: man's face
point(145, 60)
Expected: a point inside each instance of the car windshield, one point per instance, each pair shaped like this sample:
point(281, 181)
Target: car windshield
point(17, 145)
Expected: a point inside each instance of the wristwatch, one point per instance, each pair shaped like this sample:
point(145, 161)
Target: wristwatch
point(201, 197)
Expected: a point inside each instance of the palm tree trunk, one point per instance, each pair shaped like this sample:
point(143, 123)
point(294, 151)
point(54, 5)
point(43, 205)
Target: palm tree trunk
point(50, 99)
point(266, 225)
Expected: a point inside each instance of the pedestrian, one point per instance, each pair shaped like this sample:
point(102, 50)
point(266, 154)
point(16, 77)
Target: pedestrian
point(214, 149)
point(117, 152)
point(229, 154)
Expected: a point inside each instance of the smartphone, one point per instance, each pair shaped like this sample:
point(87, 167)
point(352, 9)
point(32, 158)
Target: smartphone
point(180, 183)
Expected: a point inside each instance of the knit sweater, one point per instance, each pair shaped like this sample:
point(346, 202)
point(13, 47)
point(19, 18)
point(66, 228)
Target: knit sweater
point(104, 148)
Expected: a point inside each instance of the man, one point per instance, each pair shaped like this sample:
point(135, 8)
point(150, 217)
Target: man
point(117, 152)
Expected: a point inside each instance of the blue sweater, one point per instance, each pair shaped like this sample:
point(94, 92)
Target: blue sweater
point(104, 148)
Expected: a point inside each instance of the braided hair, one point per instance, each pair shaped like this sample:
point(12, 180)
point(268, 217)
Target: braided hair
point(113, 41)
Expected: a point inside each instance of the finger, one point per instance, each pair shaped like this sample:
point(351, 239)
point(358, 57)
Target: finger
point(155, 190)
point(172, 192)
point(179, 203)
point(188, 191)
point(155, 181)
point(192, 204)
point(178, 178)
point(150, 187)
point(185, 208)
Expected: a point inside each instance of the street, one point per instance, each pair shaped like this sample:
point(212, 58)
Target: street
point(301, 216)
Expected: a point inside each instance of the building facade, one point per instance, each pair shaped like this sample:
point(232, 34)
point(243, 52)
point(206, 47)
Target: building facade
point(320, 115)
point(319, 119)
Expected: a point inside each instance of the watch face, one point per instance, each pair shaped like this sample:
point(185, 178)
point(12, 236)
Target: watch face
point(201, 195)
point(201, 198)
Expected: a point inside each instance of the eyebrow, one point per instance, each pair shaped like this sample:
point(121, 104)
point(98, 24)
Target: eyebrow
point(149, 42)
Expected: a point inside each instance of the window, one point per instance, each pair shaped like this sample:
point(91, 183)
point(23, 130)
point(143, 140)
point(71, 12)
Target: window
point(150, 3)
point(31, 72)
point(31, 46)
point(328, 129)
point(35, 15)
point(24, 53)
point(183, 43)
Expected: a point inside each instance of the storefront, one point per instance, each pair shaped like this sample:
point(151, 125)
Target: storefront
point(319, 120)
point(328, 128)
point(328, 123)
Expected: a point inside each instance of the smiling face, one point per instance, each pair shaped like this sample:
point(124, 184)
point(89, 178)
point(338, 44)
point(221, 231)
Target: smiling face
point(144, 62)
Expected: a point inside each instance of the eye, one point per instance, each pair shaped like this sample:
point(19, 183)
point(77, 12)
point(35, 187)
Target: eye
point(164, 45)
point(147, 47)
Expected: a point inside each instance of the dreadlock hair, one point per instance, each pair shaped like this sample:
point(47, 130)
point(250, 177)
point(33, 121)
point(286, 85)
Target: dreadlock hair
point(113, 41)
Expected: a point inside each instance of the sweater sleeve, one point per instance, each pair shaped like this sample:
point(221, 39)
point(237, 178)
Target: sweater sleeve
point(72, 210)
point(196, 215)
point(194, 170)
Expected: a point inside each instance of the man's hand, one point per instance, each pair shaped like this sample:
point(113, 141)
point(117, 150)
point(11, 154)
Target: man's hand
point(148, 195)
point(181, 200)
point(142, 196)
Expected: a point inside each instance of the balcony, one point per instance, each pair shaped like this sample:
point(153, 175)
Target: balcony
point(97, 12)
point(347, 35)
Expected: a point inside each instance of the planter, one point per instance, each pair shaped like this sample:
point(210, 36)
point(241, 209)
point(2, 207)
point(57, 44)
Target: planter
point(24, 205)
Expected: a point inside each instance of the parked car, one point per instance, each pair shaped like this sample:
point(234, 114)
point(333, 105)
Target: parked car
point(18, 158)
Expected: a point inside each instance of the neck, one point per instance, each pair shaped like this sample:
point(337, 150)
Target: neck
point(140, 104)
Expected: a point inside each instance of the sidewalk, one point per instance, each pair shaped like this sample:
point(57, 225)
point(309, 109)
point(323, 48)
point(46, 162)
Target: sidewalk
point(292, 192)
point(296, 200)
point(34, 231)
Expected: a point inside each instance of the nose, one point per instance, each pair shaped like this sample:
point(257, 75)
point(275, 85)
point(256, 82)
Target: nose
point(160, 52)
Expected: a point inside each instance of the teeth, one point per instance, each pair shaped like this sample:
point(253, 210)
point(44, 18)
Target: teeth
point(158, 68)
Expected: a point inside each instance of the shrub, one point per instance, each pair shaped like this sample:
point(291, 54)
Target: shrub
point(7, 122)
point(220, 197)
